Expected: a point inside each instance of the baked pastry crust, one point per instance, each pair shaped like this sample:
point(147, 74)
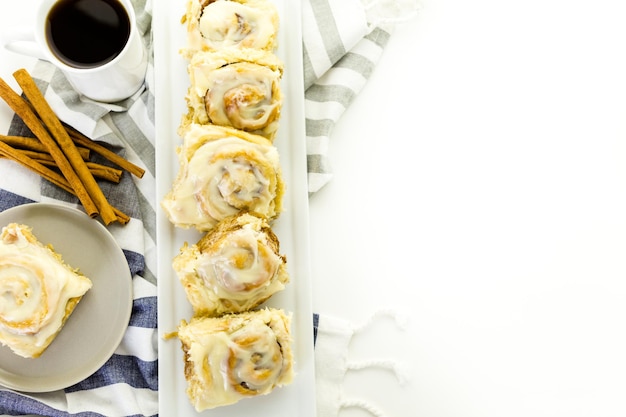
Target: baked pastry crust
point(234, 268)
point(236, 356)
point(218, 24)
point(239, 88)
point(223, 171)
point(39, 291)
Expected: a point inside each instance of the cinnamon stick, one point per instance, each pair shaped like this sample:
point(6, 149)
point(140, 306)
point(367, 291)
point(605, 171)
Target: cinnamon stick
point(49, 175)
point(105, 172)
point(33, 144)
point(83, 140)
point(58, 132)
point(37, 154)
point(21, 142)
point(30, 119)
point(99, 171)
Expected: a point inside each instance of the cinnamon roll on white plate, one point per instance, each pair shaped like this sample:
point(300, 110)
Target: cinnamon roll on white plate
point(234, 268)
point(39, 291)
point(236, 356)
point(239, 88)
point(223, 171)
point(217, 24)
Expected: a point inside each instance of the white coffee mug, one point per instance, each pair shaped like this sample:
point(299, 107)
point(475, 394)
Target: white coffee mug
point(110, 81)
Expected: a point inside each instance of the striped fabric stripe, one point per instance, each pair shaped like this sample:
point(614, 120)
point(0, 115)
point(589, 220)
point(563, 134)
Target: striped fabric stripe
point(338, 57)
point(130, 375)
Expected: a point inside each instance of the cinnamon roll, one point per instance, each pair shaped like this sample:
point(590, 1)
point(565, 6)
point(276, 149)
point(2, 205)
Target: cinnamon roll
point(235, 267)
point(239, 88)
point(217, 24)
point(236, 356)
point(38, 290)
point(223, 171)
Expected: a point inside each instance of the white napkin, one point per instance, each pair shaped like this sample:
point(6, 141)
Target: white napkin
point(343, 41)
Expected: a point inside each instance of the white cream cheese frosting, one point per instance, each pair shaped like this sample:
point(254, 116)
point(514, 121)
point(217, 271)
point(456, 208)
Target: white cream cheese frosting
point(220, 24)
point(241, 94)
point(234, 268)
point(35, 289)
point(222, 172)
point(236, 356)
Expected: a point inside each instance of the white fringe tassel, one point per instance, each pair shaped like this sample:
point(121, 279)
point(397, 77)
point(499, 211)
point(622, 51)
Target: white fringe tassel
point(363, 405)
point(381, 363)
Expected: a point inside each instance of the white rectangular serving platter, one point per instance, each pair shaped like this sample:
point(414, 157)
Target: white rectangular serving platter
point(172, 81)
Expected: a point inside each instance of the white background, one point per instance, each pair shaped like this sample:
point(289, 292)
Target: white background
point(480, 190)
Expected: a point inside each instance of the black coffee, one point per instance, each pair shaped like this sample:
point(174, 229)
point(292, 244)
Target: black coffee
point(87, 33)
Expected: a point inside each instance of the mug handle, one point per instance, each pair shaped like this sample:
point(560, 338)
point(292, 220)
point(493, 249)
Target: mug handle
point(22, 41)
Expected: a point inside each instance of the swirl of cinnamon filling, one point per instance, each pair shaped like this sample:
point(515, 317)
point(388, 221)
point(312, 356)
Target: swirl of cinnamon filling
point(236, 356)
point(37, 291)
point(224, 24)
point(222, 172)
point(237, 88)
point(242, 267)
point(235, 267)
point(25, 307)
point(254, 359)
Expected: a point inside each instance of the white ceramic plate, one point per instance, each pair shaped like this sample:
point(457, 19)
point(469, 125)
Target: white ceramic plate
point(97, 325)
point(172, 82)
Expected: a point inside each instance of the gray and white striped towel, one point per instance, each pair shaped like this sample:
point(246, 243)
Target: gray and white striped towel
point(343, 41)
